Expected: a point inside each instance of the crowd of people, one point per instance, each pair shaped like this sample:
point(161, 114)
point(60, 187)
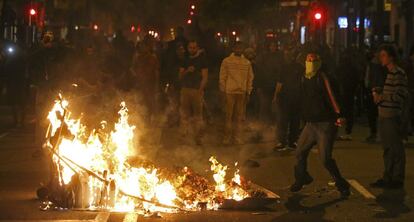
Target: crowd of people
point(301, 91)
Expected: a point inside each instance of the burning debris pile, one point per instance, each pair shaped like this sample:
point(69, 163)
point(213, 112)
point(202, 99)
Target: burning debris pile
point(91, 170)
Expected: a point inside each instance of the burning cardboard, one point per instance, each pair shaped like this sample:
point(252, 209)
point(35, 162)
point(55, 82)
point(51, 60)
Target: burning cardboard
point(91, 171)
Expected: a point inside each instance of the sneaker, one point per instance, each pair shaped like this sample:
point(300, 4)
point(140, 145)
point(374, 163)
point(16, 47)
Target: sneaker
point(371, 138)
point(279, 146)
point(380, 183)
point(288, 148)
point(343, 188)
point(293, 145)
point(297, 186)
point(346, 137)
point(395, 185)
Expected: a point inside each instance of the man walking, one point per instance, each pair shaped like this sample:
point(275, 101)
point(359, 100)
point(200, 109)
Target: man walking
point(321, 115)
point(193, 75)
point(236, 82)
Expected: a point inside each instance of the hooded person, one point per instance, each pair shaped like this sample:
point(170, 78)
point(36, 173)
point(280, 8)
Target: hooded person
point(321, 114)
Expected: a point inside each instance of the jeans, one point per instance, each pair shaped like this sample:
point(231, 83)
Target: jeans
point(235, 106)
point(322, 134)
point(394, 152)
point(372, 113)
point(264, 96)
point(288, 121)
point(191, 110)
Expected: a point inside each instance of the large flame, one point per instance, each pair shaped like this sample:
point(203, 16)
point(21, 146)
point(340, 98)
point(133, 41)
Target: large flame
point(101, 158)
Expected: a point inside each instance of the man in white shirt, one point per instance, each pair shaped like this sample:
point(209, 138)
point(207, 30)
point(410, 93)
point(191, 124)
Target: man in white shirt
point(236, 82)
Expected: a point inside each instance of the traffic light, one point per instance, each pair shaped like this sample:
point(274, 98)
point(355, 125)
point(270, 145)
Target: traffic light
point(95, 27)
point(317, 16)
point(189, 21)
point(32, 12)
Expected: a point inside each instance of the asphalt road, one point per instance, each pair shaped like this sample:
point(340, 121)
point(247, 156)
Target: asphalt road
point(361, 163)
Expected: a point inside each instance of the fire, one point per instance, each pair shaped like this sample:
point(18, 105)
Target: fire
point(233, 190)
point(99, 161)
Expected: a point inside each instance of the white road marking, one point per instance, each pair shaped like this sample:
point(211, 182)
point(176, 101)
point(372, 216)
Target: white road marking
point(131, 217)
point(361, 189)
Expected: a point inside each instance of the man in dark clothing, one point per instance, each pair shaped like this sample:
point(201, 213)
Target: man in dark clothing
point(287, 99)
point(193, 75)
point(172, 84)
point(321, 113)
point(17, 82)
point(374, 78)
point(178, 41)
point(145, 67)
point(264, 81)
point(349, 75)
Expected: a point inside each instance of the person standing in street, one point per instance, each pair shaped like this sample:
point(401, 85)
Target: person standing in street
point(145, 67)
point(374, 78)
point(193, 76)
point(391, 100)
point(348, 72)
point(321, 114)
point(236, 83)
point(17, 83)
point(270, 64)
point(287, 100)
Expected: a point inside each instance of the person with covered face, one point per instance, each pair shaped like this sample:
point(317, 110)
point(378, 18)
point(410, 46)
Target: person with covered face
point(236, 83)
point(321, 114)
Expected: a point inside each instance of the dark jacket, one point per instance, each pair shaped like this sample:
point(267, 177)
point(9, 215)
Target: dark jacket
point(319, 103)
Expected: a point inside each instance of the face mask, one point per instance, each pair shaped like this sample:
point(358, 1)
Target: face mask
point(312, 68)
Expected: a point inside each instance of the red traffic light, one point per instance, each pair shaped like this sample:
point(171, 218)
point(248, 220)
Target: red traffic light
point(317, 15)
point(32, 11)
point(95, 27)
point(189, 21)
